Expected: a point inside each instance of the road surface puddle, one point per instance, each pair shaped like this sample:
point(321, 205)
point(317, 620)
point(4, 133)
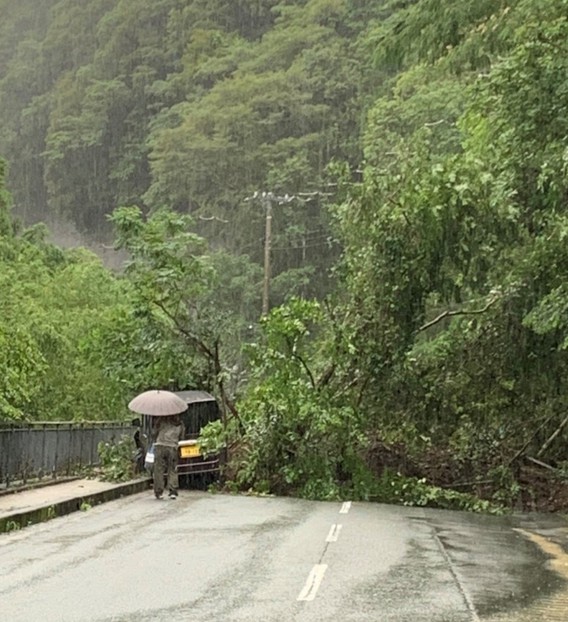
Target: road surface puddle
point(551, 607)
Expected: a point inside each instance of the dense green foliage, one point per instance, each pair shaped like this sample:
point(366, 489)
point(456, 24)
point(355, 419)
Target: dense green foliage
point(55, 306)
point(419, 331)
point(454, 253)
point(117, 460)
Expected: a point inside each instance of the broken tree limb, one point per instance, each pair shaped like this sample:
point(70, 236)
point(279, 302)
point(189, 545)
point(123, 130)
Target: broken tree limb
point(210, 353)
point(552, 437)
point(529, 441)
point(542, 464)
point(481, 482)
point(449, 313)
point(302, 362)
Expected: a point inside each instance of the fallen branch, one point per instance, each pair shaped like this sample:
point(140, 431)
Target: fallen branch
point(346, 388)
point(211, 354)
point(449, 313)
point(529, 441)
point(302, 362)
point(542, 464)
point(552, 437)
point(480, 482)
point(326, 376)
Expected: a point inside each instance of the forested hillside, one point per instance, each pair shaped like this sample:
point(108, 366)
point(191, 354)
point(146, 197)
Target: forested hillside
point(416, 347)
point(190, 104)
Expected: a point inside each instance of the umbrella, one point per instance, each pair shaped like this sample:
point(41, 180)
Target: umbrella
point(157, 403)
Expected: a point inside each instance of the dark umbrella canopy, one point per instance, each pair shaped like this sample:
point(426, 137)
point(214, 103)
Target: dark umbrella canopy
point(157, 403)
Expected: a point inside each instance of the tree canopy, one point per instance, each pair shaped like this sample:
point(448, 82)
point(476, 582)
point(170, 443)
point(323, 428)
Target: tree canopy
point(418, 335)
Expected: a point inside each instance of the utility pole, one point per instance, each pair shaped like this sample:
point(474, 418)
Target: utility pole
point(267, 243)
point(267, 199)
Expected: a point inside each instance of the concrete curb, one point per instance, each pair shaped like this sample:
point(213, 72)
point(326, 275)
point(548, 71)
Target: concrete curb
point(44, 513)
point(40, 484)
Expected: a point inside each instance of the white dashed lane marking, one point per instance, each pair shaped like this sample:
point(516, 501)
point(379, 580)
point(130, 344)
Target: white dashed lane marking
point(317, 573)
point(333, 533)
point(313, 582)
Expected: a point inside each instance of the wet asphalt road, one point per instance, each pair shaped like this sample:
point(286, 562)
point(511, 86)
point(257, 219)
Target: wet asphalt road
point(234, 558)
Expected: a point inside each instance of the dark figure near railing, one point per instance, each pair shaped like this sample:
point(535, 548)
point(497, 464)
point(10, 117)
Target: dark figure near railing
point(140, 450)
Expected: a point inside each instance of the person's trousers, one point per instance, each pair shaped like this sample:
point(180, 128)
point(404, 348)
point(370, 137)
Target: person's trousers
point(165, 469)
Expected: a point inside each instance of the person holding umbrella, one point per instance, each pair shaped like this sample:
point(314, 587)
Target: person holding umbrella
point(168, 431)
point(164, 407)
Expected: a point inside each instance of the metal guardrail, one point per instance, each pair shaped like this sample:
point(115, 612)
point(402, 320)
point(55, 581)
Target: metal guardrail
point(50, 449)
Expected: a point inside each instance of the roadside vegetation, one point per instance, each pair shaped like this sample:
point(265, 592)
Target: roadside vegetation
point(416, 347)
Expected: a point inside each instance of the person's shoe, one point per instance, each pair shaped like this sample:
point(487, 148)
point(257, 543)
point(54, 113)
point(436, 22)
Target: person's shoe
point(158, 496)
point(173, 495)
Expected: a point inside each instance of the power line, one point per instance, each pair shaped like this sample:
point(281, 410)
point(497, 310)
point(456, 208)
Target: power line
point(328, 242)
point(210, 218)
point(267, 199)
point(314, 232)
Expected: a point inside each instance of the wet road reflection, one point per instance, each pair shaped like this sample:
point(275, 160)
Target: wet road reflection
point(553, 605)
point(236, 558)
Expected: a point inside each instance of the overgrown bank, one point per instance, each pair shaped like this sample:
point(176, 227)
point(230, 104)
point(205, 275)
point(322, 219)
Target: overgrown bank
point(434, 348)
